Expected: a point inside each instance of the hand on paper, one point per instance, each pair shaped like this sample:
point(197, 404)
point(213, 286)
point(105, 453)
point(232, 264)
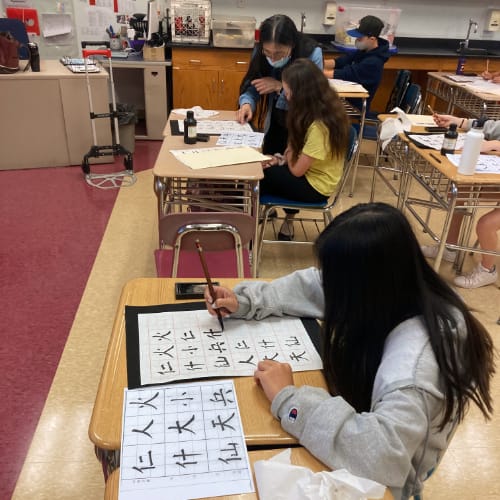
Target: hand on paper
point(444, 120)
point(276, 159)
point(488, 146)
point(273, 376)
point(244, 114)
point(225, 301)
point(494, 77)
point(266, 85)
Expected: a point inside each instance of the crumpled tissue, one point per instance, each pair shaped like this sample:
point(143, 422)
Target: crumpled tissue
point(393, 126)
point(278, 479)
point(199, 112)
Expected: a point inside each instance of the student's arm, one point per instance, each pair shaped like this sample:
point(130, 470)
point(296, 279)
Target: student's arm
point(301, 166)
point(378, 445)
point(297, 294)
point(488, 146)
point(365, 72)
point(316, 57)
point(491, 130)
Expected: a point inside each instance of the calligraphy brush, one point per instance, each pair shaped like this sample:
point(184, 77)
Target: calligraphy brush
point(209, 281)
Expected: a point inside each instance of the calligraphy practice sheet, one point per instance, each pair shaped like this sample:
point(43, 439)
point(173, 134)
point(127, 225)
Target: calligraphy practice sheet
point(486, 164)
point(183, 441)
point(435, 141)
point(180, 345)
point(216, 127)
point(252, 139)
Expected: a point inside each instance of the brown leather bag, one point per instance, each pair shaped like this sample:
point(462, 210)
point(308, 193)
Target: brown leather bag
point(9, 53)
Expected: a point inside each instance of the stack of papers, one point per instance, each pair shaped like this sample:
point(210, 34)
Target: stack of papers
point(217, 157)
point(345, 86)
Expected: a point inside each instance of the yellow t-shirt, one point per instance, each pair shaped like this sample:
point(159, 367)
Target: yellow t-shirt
point(325, 172)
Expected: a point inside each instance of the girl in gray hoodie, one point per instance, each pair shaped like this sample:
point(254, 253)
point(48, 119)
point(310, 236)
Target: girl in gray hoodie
point(403, 357)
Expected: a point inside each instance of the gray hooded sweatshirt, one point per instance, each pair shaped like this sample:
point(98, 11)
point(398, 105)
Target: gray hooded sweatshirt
point(397, 442)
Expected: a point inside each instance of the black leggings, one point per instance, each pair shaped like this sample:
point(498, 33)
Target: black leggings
point(279, 181)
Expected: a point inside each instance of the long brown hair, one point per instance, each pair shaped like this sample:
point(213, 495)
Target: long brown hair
point(312, 99)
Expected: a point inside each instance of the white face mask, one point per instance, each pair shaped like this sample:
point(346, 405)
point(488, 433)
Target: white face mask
point(360, 45)
point(279, 63)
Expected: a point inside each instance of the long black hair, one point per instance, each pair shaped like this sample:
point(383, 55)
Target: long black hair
point(374, 277)
point(278, 29)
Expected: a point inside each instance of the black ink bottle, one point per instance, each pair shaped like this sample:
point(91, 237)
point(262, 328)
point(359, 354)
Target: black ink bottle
point(450, 140)
point(190, 128)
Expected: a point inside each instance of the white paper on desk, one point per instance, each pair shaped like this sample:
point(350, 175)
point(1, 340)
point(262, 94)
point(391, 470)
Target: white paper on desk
point(278, 479)
point(346, 86)
point(487, 164)
point(252, 139)
point(421, 120)
point(199, 112)
point(462, 78)
point(484, 86)
point(435, 141)
point(216, 127)
point(217, 157)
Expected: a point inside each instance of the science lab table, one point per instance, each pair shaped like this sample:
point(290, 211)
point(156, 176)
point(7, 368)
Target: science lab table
point(259, 426)
point(461, 98)
point(300, 456)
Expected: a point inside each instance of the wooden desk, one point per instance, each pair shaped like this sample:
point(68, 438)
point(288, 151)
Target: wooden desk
point(446, 190)
point(300, 456)
point(259, 426)
point(45, 117)
point(460, 98)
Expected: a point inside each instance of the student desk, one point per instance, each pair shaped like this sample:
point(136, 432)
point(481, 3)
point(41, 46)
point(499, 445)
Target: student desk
point(460, 98)
point(445, 189)
point(300, 456)
point(259, 426)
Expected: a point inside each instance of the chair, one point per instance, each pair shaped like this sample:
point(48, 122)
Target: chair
point(224, 236)
point(269, 203)
point(18, 30)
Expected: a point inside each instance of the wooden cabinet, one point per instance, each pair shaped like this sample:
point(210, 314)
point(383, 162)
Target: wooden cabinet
point(209, 78)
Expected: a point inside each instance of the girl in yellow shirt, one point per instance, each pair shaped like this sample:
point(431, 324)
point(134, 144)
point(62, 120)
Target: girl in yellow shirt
point(318, 135)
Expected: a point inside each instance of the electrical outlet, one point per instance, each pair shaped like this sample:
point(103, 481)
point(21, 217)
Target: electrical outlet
point(330, 14)
point(493, 22)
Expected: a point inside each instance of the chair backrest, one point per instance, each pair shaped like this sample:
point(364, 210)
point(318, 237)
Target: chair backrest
point(18, 30)
point(412, 99)
point(401, 84)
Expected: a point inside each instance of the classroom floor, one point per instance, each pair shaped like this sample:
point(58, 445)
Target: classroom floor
point(61, 463)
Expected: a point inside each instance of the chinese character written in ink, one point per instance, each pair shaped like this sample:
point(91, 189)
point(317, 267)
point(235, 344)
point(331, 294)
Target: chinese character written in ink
point(266, 343)
point(217, 346)
point(166, 368)
point(193, 366)
point(290, 341)
point(142, 468)
point(248, 361)
point(165, 352)
point(161, 336)
point(184, 427)
point(213, 334)
point(145, 430)
point(298, 357)
point(148, 402)
point(223, 424)
point(190, 349)
point(272, 358)
point(233, 453)
point(184, 457)
point(221, 362)
point(188, 336)
point(242, 345)
point(222, 397)
point(187, 398)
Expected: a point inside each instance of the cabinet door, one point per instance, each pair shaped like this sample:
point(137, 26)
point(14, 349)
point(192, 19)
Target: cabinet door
point(195, 87)
point(229, 89)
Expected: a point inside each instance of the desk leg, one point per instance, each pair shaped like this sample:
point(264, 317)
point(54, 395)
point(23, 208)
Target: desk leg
point(446, 227)
point(255, 243)
point(360, 139)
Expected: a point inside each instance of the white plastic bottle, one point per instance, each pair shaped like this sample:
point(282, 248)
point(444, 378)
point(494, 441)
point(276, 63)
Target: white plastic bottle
point(471, 151)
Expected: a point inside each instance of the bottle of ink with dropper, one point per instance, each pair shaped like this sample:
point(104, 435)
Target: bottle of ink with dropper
point(450, 140)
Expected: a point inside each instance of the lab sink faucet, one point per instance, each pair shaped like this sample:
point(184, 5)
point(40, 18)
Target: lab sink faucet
point(465, 43)
point(302, 21)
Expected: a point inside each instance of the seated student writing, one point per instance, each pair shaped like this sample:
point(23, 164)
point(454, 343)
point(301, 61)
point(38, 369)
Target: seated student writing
point(403, 356)
point(318, 135)
point(365, 65)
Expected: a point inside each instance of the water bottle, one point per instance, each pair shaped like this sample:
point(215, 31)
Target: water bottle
point(450, 140)
point(34, 56)
point(190, 128)
point(471, 151)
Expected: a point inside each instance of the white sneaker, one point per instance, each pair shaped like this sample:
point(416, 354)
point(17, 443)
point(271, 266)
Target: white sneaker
point(431, 251)
point(480, 276)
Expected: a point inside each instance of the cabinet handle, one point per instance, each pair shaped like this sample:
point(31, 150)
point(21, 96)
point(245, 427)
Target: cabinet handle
point(241, 62)
point(154, 73)
point(194, 61)
point(222, 87)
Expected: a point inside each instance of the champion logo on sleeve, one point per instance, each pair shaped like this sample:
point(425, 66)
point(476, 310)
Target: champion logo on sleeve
point(292, 416)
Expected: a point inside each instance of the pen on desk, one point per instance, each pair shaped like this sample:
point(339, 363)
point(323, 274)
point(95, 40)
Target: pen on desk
point(435, 157)
point(209, 281)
